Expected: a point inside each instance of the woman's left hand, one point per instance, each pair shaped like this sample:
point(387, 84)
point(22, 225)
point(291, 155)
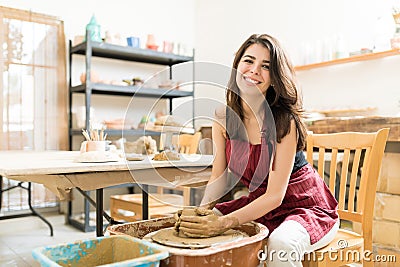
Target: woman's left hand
point(206, 224)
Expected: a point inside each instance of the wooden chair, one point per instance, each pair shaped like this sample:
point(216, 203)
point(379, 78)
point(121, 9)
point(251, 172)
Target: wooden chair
point(160, 204)
point(367, 150)
point(187, 143)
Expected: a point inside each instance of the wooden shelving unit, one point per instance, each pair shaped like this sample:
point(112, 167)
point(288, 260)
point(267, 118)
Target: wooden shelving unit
point(363, 57)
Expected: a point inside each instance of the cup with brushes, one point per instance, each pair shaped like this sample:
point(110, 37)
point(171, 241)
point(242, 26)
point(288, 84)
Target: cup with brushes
point(94, 148)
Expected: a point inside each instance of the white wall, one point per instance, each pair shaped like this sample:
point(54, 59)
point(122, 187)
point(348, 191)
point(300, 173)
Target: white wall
point(171, 20)
point(217, 28)
point(221, 26)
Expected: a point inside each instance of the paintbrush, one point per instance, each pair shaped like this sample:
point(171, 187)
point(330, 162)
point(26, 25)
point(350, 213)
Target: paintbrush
point(85, 134)
point(101, 135)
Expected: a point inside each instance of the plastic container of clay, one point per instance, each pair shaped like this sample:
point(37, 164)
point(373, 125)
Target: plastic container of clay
point(110, 251)
point(239, 253)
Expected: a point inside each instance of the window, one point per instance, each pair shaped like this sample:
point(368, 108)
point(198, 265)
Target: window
point(33, 91)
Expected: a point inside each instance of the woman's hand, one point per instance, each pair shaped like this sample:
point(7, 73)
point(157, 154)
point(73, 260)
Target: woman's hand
point(206, 223)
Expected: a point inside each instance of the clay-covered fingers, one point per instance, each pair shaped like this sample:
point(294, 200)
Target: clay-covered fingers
point(201, 226)
point(177, 218)
point(206, 226)
point(203, 211)
point(194, 219)
point(194, 232)
point(177, 215)
point(200, 230)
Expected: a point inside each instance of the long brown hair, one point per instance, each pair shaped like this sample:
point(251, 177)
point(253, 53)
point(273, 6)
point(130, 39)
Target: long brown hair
point(282, 96)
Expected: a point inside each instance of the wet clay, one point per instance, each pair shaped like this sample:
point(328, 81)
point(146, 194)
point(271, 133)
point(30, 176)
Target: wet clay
point(141, 228)
point(167, 155)
point(169, 237)
point(185, 212)
point(193, 212)
point(239, 253)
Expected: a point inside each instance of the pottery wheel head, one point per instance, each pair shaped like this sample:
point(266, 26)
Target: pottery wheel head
point(169, 237)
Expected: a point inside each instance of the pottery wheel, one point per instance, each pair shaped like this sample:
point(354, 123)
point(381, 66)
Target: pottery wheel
point(169, 237)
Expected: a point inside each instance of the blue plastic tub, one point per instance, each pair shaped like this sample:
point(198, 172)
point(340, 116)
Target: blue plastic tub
point(121, 251)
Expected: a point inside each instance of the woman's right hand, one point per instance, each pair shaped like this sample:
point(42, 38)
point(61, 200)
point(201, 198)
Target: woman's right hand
point(206, 223)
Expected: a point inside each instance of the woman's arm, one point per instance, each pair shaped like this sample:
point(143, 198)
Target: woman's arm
point(211, 225)
point(216, 186)
point(277, 182)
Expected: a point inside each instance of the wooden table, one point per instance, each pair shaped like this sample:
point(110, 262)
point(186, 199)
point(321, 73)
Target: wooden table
point(58, 171)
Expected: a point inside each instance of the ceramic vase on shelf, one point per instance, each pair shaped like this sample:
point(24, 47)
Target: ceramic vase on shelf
point(395, 40)
point(94, 29)
point(151, 42)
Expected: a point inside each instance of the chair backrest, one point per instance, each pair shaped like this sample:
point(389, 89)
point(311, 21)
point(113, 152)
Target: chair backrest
point(188, 143)
point(185, 144)
point(358, 175)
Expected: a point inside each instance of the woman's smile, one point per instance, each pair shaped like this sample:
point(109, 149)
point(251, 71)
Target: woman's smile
point(250, 80)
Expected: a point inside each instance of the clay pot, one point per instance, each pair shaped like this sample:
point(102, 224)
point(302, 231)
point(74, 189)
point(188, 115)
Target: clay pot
point(94, 77)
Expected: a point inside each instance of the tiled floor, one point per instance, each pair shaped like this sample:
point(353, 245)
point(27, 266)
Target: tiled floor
point(19, 236)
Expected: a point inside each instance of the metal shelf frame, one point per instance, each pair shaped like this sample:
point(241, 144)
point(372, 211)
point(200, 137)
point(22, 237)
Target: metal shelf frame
point(136, 91)
point(112, 51)
point(91, 49)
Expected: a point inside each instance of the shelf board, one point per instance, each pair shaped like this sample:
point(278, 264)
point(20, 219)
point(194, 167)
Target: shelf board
point(170, 129)
point(112, 51)
point(137, 91)
point(116, 132)
point(149, 131)
point(356, 58)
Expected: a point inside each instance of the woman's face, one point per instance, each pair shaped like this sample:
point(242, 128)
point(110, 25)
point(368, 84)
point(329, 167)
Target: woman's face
point(253, 70)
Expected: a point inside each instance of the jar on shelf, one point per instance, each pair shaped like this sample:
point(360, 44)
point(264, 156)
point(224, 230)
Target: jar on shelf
point(94, 30)
point(395, 41)
point(151, 42)
point(340, 48)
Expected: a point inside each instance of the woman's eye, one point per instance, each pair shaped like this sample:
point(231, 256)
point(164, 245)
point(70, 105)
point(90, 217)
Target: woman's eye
point(248, 61)
point(265, 67)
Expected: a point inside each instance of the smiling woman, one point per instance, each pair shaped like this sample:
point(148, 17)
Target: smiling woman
point(259, 137)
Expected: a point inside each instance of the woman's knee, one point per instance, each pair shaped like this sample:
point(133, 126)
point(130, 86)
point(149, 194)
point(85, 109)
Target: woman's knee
point(290, 240)
point(280, 242)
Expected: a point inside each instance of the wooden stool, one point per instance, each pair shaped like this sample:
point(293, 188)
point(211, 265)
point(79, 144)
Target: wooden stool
point(160, 205)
